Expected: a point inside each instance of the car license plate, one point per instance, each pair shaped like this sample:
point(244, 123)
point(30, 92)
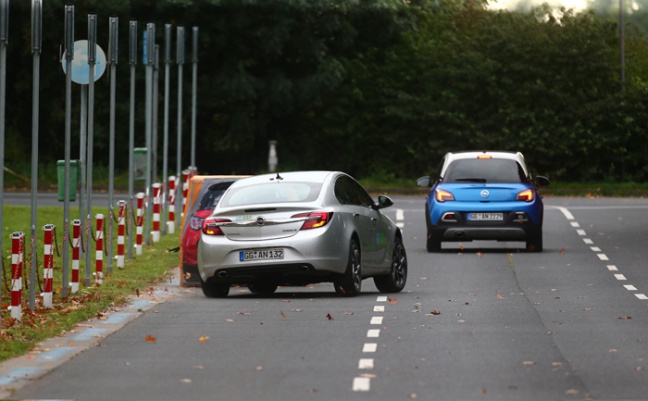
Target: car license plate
point(486, 216)
point(262, 254)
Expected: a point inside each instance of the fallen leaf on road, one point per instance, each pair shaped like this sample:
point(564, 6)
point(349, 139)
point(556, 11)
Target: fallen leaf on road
point(283, 314)
point(562, 251)
point(434, 313)
point(625, 318)
point(498, 295)
point(392, 300)
point(329, 317)
point(480, 254)
point(203, 339)
point(150, 339)
point(185, 380)
point(572, 391)
point(528, 363)
point(245, 313)
point(613, 350)
point(348, 313)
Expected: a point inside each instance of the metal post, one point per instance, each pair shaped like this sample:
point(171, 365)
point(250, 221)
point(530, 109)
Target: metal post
point(150, 51)
point(132, 52)
point(194, 84)
point(154, 113)
point(4, 38)
point(37, 29)
point(69, 56)
point(180, 62)
point(92, 59)
point(113, 48)
point(622, 44)
point(165, 150)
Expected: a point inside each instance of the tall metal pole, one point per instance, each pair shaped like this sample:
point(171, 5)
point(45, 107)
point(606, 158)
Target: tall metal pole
point(622, 43)
point(150, 51)
point(155, 113)
point(165, 150)
point(180, 62)
point(4, 38)
point(113, 48)
point(132, 59)
point(69, 56)
point(92, 60)
point(37, 29)
point(194, 84)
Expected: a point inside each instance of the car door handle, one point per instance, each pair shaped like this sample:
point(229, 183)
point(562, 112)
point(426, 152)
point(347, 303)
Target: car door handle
point(356, 215)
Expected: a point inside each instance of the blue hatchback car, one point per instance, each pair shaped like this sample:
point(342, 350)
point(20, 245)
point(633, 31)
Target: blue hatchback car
point(483, 196)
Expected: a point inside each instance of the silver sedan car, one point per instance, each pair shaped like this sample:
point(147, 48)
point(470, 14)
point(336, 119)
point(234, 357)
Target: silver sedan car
point(299, 228)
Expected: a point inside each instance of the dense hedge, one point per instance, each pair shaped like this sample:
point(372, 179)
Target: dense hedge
point(371, 87)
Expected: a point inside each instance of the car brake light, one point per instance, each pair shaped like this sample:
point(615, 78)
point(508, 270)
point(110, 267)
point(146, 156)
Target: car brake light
point(526, 196)
point(196, 221)
point(211, 226)
point(484, 157)
point(314, 219)
point(442, 196)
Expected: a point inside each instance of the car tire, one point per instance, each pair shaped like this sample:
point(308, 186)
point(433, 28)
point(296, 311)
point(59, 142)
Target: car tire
point(349, 284)
point(432, 244)
point(262, 289)
point(214, 290)
point(397, 277)
point(534, 242)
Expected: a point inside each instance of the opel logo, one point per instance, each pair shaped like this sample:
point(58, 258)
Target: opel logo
point(485, 193)
point(260, 221)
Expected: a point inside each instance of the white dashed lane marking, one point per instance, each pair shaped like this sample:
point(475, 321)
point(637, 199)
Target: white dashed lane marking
point(599, 253)
point(362, 382)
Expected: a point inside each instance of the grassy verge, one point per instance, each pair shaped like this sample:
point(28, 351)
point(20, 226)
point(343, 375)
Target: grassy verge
point(118, 288)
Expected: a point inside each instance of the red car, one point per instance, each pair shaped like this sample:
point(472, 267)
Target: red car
point(203, 195)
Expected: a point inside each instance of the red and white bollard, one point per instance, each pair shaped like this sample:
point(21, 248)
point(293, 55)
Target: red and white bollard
point(17, 248)
point(121, 230)
point(172, 191)
point(186, 176)
point(157, 192)
point(139, 239)
point(48, 265)
point(99, 250)
point(76, 247)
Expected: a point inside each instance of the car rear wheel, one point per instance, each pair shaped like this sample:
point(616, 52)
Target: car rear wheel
point(350, 283)
point(262, 289)
point(214, 290)
point(397, 277)
point(534, 242)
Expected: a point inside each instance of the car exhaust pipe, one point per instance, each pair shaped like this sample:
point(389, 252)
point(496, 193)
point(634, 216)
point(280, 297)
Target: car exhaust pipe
point(222, 274)
point(304, 268)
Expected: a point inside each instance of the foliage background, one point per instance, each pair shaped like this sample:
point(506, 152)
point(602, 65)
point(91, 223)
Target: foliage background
point(372, 87)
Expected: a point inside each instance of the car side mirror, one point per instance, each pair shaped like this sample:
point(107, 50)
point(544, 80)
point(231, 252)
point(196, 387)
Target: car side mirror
point(424, 181)
point(383, 202)
point(541, 181)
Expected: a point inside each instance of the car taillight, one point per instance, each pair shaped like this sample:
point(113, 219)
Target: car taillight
point(196, 221)
point(314, 219)
point(526, 195)
point(211, 226)
point(442, 196)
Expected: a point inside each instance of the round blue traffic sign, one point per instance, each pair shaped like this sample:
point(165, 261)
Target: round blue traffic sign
point(80, 66)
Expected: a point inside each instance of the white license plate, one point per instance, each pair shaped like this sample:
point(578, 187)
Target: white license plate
point(486, 216)
point(262, 254)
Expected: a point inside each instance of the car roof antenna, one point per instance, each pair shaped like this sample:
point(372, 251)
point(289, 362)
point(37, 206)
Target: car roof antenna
point(278, 177)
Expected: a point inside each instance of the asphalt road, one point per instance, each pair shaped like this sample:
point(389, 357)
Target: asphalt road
point(478, 321)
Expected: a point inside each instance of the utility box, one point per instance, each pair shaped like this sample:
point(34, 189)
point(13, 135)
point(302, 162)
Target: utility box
point(73, 179)
point(140, 159)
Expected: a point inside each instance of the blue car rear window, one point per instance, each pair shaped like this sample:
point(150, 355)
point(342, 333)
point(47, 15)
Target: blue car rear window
point(485, 171)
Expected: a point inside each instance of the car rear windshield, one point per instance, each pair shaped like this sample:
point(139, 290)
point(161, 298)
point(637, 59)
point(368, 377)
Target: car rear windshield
point(213, 195)
point(276, 192)
point(485, 170)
